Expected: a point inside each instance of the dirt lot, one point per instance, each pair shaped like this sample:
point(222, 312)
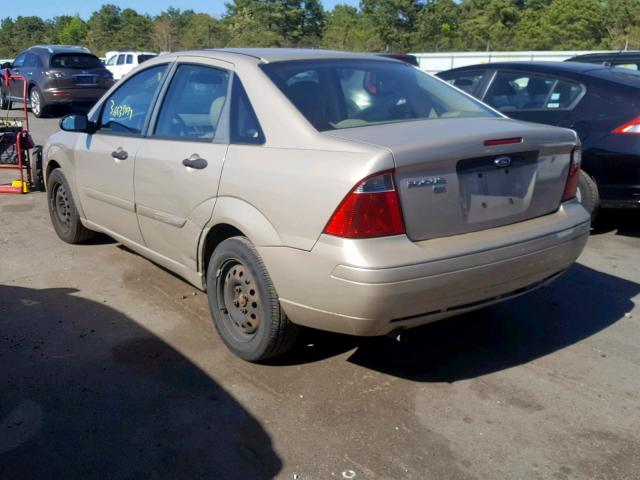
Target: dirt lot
point(110, 368)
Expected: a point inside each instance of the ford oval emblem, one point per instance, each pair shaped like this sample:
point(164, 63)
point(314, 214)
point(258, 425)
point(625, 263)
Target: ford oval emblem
point(502, 162)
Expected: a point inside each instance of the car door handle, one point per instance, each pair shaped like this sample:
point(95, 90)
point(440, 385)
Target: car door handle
point(120, 154)
point(197, 163)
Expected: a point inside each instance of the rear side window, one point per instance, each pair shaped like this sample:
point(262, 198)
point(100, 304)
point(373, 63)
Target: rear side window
point(245, 127)
point(194, 102)
point(517, 91)
point(129, 59)
point(75, 60)
point(126, 110)
point(335, 94)
point(468, 82)
point(145, 57)
point(628, 66)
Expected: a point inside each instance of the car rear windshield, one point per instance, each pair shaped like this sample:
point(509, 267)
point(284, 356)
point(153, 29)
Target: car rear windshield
point(144, 57)
point(75, 60)
point(336, 94)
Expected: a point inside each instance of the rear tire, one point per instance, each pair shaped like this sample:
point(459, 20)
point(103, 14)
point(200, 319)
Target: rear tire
point(588, 194)
point(244, 304)
point(38, 107)
point(63, 211)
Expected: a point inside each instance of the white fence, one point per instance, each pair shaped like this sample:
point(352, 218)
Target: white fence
point(438, 62)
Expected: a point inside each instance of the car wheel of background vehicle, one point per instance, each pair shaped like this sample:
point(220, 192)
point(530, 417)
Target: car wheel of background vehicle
point(36, 169)
point(63, 212)
point(5, 103)
point(38, 107)
point(588, 195)
point(244, 304)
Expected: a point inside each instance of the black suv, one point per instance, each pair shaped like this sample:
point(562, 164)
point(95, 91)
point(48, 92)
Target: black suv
point(56, 75)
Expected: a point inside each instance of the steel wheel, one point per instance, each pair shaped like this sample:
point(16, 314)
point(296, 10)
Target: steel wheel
point(36, 103)
point(239, 300)
point(61, 206)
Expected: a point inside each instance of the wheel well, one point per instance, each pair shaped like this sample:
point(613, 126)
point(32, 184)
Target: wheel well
point(215, 237)
point(51, 166)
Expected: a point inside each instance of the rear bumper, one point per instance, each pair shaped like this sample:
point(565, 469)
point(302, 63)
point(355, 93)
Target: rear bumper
point(372, 287)
point(73, 95)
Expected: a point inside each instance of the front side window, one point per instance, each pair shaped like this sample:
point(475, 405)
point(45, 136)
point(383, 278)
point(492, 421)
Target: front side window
point(127, 108)
point(193, 105)
point(82, 61)
point(335, 94)
point(19, 61)
point(121, 59)
point(517, 91)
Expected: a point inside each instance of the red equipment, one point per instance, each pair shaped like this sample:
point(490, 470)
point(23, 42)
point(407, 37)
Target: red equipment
point(16, 143)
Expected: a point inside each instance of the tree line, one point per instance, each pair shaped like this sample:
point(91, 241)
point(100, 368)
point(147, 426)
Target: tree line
point(377, 25)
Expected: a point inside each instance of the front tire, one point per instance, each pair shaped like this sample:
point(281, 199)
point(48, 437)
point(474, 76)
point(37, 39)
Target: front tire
point(588, 195)
point(244, 304)
point(63, 211)
point(36, 169)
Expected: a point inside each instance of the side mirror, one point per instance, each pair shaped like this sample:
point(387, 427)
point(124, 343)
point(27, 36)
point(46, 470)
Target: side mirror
point(76, 122)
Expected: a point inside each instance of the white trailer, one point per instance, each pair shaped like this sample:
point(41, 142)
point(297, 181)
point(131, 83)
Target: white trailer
point(438, 62)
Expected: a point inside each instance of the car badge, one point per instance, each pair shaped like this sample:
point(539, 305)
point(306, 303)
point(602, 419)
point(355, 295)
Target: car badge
point(502, 162)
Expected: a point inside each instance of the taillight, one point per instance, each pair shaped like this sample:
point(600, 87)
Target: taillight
point(370, 209)
point(629, 128)
point(53, 74)
point(571, 186)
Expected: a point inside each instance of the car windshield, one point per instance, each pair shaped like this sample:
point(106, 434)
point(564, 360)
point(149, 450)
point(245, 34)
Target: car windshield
point(336, 94)
point(75, 60)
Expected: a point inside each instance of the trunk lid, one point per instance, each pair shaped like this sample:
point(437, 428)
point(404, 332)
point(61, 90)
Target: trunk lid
point(450, 182)
point(76, 78)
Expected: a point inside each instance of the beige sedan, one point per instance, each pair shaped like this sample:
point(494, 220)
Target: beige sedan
point(344, 192)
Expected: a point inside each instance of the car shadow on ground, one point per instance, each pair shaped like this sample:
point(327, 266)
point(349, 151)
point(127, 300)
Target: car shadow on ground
point(623, 222)
point(580, 304)
point(88, 393)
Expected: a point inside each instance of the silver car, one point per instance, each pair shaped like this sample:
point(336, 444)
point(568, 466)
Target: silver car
point(344, 192)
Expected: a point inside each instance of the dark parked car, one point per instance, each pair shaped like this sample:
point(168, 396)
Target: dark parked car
point(405, 57)
point(56, 75)
point(630, 60)
point(601, 104)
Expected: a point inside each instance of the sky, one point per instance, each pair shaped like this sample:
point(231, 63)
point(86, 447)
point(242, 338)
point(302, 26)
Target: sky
point(50, 9)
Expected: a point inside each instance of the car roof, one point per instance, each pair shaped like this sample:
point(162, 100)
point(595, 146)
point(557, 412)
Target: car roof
point(53, 49)
point(270, 55)
point(135, 52)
